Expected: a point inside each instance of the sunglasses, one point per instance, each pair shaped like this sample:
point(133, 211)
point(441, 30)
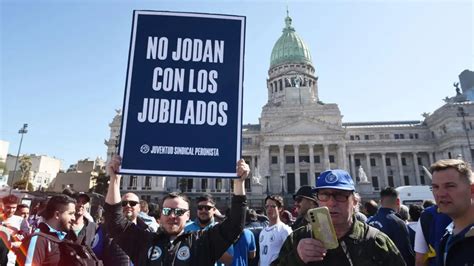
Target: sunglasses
point(132, 203)
point(176, 211)
point(202, 207)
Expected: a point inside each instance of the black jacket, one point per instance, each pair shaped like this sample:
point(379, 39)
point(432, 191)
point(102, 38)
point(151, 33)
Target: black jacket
point(457, 249)
point(199, 248)
point(388, 222)
point(86, 235)
point(108, 250)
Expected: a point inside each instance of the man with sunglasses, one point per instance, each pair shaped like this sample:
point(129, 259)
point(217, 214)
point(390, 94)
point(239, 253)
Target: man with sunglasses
point(305, 199)
point(206, 209)
point(108, 248)
point(171, 245)
point(359, 244)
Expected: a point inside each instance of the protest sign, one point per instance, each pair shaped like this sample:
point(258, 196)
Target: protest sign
point(183, 97)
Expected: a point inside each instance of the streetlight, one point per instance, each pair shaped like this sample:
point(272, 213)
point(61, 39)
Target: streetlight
point(22, 131)
point(463, 114)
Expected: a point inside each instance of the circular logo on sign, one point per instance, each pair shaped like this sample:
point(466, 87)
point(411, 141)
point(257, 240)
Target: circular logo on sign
point(144, 149)
point(331, 178)
point(154, 253)
point(183, 253)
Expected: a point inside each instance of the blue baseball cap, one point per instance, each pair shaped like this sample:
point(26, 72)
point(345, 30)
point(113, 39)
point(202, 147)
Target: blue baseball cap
point(336, 179)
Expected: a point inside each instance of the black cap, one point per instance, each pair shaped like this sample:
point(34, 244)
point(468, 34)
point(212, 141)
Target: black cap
point(305, 192)
point(82, 195)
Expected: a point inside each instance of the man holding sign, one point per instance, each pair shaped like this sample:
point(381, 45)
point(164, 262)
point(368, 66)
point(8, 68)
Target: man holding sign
point(170, 245)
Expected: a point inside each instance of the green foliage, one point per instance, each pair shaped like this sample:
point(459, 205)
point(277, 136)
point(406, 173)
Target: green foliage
point(25, 167)
point(101, 184)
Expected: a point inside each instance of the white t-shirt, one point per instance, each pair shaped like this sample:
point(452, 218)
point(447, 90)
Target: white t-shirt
point(271, 240)
point(420, 243)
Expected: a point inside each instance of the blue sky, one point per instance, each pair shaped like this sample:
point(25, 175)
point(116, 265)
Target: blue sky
point(63, 63)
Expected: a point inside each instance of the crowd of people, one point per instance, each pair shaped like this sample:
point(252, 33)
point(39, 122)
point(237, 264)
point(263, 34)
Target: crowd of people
point(62, 231)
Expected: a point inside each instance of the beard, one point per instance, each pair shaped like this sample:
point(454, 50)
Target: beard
point(65, 226)
point(204, 221)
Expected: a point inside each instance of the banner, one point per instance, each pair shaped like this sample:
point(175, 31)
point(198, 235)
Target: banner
point(183, 97)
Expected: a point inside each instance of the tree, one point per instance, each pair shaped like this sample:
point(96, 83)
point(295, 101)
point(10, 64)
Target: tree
point(101, 184)
point(22, 184)
point(25, 167)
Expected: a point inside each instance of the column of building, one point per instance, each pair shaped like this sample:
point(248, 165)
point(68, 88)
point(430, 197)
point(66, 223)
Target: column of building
point(297, 166)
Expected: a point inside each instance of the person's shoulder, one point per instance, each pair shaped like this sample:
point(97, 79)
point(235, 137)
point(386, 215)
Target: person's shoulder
point(191, 226)
point(284, 227)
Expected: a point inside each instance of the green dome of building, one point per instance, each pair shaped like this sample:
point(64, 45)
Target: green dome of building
point(290, 48)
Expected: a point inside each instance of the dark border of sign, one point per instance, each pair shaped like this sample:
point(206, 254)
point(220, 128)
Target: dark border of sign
point(127, 93)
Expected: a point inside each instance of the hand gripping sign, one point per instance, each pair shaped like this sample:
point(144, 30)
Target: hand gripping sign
point(183, 97)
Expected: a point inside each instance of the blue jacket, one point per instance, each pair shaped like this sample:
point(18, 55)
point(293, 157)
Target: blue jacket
point(395, 228)
point(457, 249)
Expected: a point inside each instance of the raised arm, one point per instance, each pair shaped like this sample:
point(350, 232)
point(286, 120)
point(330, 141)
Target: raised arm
point(113, 194)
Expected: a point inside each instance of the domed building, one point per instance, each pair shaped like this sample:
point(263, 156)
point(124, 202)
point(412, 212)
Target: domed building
point(299, 136)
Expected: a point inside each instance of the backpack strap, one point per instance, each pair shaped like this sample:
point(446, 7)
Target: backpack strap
point(426, 220)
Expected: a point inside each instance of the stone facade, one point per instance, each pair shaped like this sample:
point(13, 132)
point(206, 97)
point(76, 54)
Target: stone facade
point(298, 137)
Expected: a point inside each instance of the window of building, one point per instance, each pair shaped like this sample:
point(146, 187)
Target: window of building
point(351, 137)
point(147, 181)
point(357, 162)
point(372, 162)
point(420, 162)
point(332, 159)
point(304, 179)
point(404, 161)
point(396, 136)
point(402, 136)
point(290, 182)
point(375, 183)
point(407, 180)
point(388, 162)
point(204, 184)
point(366, 137)
point(357, 137)
point(274, 159)
point(247, 141)
point(449, 155)
point(422, 180)
point(317, 159)
point(304, 159)
point(290, 159)
point(218, 183)
point(390, 181)
point(190, 184)
point(133, 181)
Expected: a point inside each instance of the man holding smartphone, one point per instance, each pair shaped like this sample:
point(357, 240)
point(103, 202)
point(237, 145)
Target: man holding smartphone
point(359, 244)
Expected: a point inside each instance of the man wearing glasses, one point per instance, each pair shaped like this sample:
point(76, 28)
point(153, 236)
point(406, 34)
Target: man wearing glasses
point(107, 248)
point(304, 200)
point(170, 245)
point(205, 220)
point(359, 244)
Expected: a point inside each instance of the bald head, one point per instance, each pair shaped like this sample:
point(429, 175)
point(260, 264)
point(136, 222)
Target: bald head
point(130, 196)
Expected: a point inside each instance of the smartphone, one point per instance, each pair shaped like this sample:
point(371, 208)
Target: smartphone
point(322, 227)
